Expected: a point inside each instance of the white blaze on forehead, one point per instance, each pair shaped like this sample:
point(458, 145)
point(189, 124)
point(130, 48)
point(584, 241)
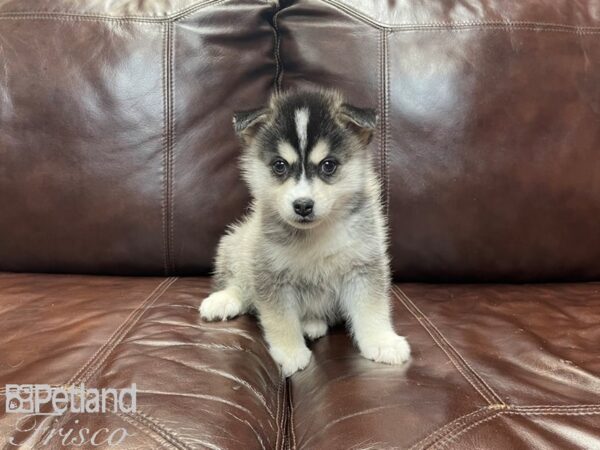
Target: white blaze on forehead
point(302, 189)
point(319, 152)
point(287, 152)
point(301, 118)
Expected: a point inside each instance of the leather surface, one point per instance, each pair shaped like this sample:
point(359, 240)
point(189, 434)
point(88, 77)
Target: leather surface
point(112, 140)
point(198, 384)
point(489, 127)
point(494, 366)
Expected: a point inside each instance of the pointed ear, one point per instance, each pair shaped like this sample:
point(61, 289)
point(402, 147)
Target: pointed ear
point(362, 121)
point(247, 123)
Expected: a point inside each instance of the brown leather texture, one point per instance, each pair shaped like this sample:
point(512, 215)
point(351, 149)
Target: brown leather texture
point(117, 153)
point(198, 385)
point(494, 366)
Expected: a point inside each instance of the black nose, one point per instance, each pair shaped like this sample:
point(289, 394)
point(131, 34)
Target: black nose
point(303, 206)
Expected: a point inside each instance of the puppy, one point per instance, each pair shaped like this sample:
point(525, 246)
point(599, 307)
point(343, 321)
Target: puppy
point(312, 251)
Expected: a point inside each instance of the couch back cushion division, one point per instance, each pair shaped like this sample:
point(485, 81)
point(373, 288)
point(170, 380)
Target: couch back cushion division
point(117, 153)
point(489, 138)
point(116, 147)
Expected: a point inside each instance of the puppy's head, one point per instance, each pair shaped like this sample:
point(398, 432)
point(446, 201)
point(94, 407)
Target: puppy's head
point(305, 156)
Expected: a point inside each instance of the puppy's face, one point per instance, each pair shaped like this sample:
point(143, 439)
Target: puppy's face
point(306, 156)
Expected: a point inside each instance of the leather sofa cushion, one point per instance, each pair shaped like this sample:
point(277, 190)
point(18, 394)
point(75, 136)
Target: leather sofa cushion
point(117, 153)
point(499, 366)
point(197, 384)
point(488, 140)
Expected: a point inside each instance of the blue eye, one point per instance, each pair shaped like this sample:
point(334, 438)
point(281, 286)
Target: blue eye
point(279, 167)
point(328, 167)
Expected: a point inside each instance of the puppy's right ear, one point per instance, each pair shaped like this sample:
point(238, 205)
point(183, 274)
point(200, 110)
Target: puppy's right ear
point(247, 123)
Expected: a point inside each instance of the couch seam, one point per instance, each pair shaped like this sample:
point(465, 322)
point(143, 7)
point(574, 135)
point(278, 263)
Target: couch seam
point(277, 49)
point(86, 366)
point(441, 443)
point(292, 426)
point(449, 427)
point(386, 105)
point(124, 329)
point(426, 26)
point(458, 361)
point(166, 203)
point(172, 148)
point(165, 173)
point(148, 425)
point(567, 410)
point(277, 415)
point(65, 15)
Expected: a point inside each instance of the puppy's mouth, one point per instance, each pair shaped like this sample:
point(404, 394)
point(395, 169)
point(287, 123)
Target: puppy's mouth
point(304, 222)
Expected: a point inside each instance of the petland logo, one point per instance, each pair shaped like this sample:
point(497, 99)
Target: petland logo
point(35, 400)
point(56, 400)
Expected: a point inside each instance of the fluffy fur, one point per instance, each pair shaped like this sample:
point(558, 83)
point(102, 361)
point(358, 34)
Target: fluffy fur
point(312, 251)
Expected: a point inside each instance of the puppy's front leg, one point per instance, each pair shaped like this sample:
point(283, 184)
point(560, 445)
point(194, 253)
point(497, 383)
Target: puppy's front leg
point(283, 332)
point(366, 304)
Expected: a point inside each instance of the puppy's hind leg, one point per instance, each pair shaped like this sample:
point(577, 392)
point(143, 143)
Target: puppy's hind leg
point(222, 305)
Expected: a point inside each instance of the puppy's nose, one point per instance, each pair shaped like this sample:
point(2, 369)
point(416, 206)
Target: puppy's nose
point(303, 206)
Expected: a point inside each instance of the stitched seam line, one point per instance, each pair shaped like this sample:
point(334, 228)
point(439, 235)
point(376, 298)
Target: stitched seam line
point(86, 366)
point(381, 84)
point(292, 427)
point(172, 149)
point(472, 24)
point(277, 415)
point(277, 50)
point(456, 352)
point(451, 437)
point(442, 343)
point(142, 421)
point(518, 411)
point(63, 15)
point(386, 108)
point(163, 203)
point(380, 108)
point(449, 345)
point(449, 427)
point(119, 335)
point(167, 208)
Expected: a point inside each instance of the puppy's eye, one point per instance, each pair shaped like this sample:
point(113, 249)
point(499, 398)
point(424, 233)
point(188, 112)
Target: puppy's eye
point(328, 167)
point(279, 167)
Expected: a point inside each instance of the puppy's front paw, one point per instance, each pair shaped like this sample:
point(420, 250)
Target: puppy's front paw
point(389, 349)
point(291, 360)
point(314, 328)
point(221, 305)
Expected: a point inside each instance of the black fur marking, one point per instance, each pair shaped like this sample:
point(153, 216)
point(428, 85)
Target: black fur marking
point(322, 125)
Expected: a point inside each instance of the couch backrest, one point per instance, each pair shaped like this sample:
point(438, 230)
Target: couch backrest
point(117, 153)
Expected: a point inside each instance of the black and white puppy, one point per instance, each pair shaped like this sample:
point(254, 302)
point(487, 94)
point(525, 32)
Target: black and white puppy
point(313, 250)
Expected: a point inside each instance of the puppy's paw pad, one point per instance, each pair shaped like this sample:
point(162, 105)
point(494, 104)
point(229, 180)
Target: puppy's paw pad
point(221, 305)
point(291, 361)
point(314, 328)
point(392, 349)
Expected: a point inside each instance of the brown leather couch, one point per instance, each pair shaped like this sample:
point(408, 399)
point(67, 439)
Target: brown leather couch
point(118, 174)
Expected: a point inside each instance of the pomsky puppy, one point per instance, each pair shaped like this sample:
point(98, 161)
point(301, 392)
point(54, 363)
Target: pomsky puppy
point(312, 251)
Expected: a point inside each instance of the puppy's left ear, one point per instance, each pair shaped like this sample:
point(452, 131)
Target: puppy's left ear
point(362, 121)
point(247, 123)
